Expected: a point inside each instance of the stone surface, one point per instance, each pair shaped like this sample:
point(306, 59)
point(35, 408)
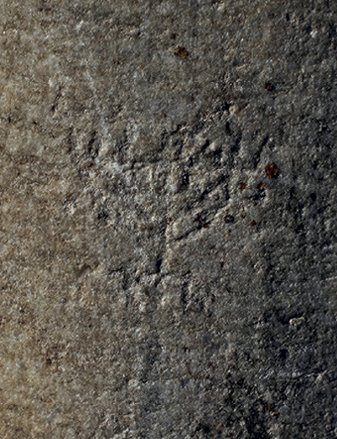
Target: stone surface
point(168, 219)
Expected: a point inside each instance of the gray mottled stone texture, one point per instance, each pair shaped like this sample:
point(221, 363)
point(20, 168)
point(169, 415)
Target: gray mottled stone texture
point(168, 219)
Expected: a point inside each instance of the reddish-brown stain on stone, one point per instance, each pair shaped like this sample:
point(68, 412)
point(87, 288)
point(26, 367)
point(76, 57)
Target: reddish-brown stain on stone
point(272, 170)
point(262, 186)
point(181, 52)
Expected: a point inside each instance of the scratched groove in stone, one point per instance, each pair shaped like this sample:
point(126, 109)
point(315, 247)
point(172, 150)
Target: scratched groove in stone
point(167, 228)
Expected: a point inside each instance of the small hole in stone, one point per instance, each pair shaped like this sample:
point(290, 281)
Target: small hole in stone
point(158, 264)
point(102, 214)
point(269, 86)
point(181, 52)
point(283, 354)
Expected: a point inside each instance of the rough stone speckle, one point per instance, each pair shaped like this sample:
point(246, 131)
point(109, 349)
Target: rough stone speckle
point(168, 219)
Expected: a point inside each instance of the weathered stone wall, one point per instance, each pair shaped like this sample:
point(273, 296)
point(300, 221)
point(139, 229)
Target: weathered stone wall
point(168, 219)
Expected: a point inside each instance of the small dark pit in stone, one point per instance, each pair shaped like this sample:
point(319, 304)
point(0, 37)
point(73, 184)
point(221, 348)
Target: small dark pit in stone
point(184, 180)
point(224, 107)
point(228, 129)
point(201, 220)
point(44, 9)
point(308, 28)
point(183, 382)
point(215, 156)
point(299, 229)
point(102, 215)
point(158, 264)
point(181, 52)
point(283, 354)
point(93, 145)
point(204, 428)
point(269, 86)
point(205, 145)
point(313, 197)
point(260, 192)
point(253, 223)
point(229, 219)
point(272, 170)
point(262, 186)
point(242, 186)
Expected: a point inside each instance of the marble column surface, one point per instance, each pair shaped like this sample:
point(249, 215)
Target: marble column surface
point(168, 229)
